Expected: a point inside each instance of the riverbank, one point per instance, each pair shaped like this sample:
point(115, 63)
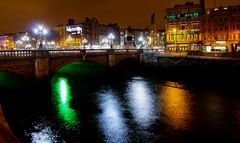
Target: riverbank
point(6, 135)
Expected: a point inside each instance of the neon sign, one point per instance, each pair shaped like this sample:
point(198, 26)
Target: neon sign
point(195, 14)
point(74, 29)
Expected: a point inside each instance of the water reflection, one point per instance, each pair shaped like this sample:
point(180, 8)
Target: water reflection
point(175, 103)
point(63, 96)
point(141, 102)
point(43, 133)
point(111, 119)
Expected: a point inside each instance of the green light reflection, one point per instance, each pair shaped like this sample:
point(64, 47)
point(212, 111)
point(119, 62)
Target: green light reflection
point(66, 114)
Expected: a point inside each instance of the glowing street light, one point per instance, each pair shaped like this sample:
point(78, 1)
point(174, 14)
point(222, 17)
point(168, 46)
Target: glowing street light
point(111, 37)
point(25, 39)
point(140, 39)
point(41, 31)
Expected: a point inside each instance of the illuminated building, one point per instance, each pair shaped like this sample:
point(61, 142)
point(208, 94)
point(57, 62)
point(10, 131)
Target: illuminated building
point(90, 31)
point(141, 38)
point(221, 29)
point(104, 31)
point(131, 38)
point(69, 35)
point(8, 41)
point(183, 27)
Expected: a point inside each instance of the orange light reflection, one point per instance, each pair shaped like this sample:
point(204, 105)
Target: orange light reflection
point(175, 103)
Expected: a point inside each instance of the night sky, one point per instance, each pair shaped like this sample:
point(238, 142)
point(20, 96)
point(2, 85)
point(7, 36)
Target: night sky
point(21, 15)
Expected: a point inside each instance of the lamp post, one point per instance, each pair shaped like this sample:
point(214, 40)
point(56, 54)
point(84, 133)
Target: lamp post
point(84, 41)
point(111, 37)
point(40, 30)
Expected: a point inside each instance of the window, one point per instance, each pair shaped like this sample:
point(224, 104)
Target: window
point(183, 27)
point(233, 27)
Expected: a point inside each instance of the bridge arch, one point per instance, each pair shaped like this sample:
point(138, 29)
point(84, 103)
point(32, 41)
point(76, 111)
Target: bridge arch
point(82, 68)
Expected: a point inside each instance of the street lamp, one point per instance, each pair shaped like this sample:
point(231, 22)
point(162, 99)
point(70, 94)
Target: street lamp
point(40, 30)
point(111, 37)
point(84, 41)
point(140, 39)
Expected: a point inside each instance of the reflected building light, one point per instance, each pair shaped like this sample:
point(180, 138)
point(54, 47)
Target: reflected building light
point(63, 90)
point(66, 114)
point(141, 102)
point(44, 134)
point(175, 103)
point(111, 120)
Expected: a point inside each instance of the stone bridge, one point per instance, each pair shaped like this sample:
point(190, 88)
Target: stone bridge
point(43, 63)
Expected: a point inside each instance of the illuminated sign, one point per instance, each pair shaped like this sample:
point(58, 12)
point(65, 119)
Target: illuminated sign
point(74, 29)
point(183, 15)
point(183, 32)
point(221, 42)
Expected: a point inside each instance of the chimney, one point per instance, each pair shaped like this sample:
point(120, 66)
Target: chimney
point(71, 21)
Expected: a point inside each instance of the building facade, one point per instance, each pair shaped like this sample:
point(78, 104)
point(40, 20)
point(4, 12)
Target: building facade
point(69, 35)
point(9, 41)
point(221, 29)
point(89, 34)
point(183, 27)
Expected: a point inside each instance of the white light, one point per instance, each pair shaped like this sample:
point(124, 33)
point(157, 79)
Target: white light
point(78, 28)
point(141, 102)
point(45, 31)
point(19, 42)
point(140, 39)
point(111, 36)
point(111, 119)
point(36, 31)
point(221, 42)
point(208, 48)
point(53, 43)
point(40, 27)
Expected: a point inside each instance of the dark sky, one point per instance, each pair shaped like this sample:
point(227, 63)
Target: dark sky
point(20, 15)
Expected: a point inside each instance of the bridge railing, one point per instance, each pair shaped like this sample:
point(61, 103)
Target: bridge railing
point(8, 54)
point(65, 53)
point(127, 50)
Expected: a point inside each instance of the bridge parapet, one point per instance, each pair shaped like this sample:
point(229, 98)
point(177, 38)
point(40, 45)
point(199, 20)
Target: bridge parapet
point(10, 54)
point(41, 63)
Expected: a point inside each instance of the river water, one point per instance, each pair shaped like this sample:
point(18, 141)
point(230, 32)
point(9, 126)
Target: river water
point(136, 108)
